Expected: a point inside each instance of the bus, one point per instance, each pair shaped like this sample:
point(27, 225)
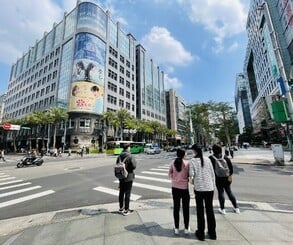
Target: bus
point(116, 147)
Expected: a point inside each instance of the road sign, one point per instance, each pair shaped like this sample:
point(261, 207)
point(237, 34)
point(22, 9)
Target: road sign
point(7, 126)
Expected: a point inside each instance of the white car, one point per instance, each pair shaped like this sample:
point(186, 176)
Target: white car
point(150, 150)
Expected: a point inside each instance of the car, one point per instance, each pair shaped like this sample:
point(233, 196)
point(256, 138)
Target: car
point(150, 150)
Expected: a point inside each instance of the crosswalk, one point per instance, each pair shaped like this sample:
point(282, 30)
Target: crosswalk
point(11, 186)
point(154, 180)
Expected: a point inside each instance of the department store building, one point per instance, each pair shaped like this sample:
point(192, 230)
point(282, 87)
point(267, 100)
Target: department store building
point(87, 65)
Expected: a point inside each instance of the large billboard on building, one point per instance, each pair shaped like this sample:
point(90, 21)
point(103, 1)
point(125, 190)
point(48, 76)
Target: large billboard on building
point(88, 75)
point(86, 97)
point(91, 16)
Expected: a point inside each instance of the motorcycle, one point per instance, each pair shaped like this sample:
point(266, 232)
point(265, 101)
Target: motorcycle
point(30, 160)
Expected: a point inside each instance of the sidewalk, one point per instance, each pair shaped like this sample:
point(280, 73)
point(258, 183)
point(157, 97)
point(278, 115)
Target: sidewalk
point(150, 223)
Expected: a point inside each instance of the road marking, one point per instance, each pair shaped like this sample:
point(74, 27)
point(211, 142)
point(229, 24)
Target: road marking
point(11, 182)
point(4, 176)
point(148, 172)
point(113, 192)
point(26, 198)
point(19, 191)
point(152, 187)
point(158, 169)
point(8, 178)
point(152, 178)
point(14, 186)
point(163, 167)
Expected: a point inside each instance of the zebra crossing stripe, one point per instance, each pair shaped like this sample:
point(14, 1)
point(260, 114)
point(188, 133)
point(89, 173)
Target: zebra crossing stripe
point(19, 191)
point(148, 172)
point(7, 178)
point(152, 178)
point(14, 186)
point(159, 169)
point(113, 192)
point(26, 198)
point(10, 182)
point(4, 176)
point(152, 187)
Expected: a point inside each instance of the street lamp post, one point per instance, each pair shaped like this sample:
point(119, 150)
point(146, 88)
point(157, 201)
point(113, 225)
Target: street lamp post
point(283, 77)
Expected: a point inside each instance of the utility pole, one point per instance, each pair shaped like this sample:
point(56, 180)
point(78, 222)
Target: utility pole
point(283, 77)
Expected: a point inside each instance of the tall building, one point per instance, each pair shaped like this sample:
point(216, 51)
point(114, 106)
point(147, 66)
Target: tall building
point(150, 90)
point(87, 65)
point(242, 103)
point(262, 67)
point(176, 116)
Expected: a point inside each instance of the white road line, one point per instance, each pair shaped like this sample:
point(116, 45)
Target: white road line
point(152, 187)
point(26, 198)
point(158, 169)
point(148, 172)
point(11, 182)
point(152, 178)
point(4, 176)
point(8, 178)
point(14, 186)
point(163, 167)
point(113, 192)
point(19, 191)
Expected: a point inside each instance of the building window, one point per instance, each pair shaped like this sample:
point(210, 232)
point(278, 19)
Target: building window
point(84, 123)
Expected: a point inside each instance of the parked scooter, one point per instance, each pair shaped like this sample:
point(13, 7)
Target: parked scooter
point(30, 160)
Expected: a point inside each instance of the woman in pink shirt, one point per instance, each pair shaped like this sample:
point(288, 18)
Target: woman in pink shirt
point(179, 173)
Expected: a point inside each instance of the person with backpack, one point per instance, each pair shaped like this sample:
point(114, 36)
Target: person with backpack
point(179, 174)
point(125, 183)
point(202, 172)
point(223, 171)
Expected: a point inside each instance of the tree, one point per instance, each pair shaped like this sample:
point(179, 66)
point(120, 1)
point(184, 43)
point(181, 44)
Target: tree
point(222, 116)
point(122, 116)
point(54, 116)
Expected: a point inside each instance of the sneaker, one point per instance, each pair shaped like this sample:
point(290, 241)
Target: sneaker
point(199, 236)
point(120, 210)
point(186, 231)
point(126, 212)
point(176, 231)
point(236, 210)
point(222, 211)
point(212, 236)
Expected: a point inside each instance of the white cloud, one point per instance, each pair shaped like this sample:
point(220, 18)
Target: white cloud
point(22, 22)
point(225, 18)
point(165, 49)
point(233, 47)
point(172, 82)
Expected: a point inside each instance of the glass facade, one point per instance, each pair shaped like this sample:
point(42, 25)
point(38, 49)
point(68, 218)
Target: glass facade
point(40, 49)
point(70, 23)
point(58, 34)
point(49, 41)
point(65, 74)
point(123, 44)
point(113, 33)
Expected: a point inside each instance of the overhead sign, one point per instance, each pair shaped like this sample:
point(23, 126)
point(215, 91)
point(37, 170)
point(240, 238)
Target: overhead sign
point(9, 126)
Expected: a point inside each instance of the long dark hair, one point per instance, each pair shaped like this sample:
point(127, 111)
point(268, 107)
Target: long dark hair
point(179, 160)
point(198, 150)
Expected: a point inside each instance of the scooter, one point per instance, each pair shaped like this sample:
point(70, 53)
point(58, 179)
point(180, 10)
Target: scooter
point(30, 160)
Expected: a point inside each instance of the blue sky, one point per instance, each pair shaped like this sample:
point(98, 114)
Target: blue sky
point(199, 44)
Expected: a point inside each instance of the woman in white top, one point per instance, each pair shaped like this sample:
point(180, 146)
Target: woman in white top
point(201, 169)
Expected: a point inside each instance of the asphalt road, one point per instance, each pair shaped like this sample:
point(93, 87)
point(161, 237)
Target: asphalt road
point(62, 183)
